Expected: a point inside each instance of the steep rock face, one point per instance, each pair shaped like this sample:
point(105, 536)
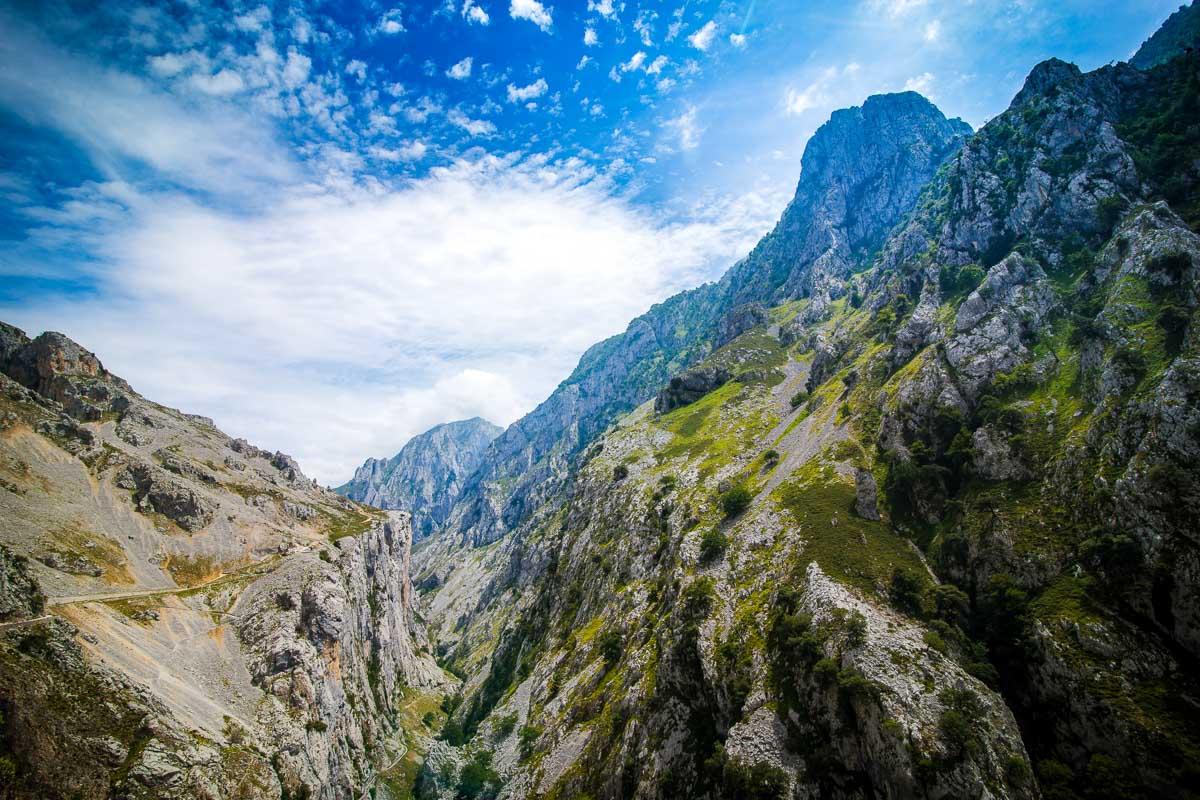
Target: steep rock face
point(716, 612)
point(186, 615)
point(1180, 32)
point(428, 474)
point(860, 174)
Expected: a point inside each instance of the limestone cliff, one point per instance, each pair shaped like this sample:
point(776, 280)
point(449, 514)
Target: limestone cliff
point(428, 474)
point(187, 615)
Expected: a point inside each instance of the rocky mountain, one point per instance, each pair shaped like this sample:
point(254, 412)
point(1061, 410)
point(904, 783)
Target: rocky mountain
point(913, 517)
point(904, 506)
point(860, 174)
point(1179, 32)
point(185, 615)
point(427, 476)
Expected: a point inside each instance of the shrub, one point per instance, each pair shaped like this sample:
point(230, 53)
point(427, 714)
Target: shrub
point(505, 725)
point(528, 738)
point(610, 645)
point(755, 781)
point(905, 591)
point(799, 398)
point(957, 722)
point(856, 629)
point(452, 734)
point(735, 501)
point(771, 458)
point(959, 280)
point(620, 472)
point(315, 725)
point(826, 671)
point(478, 778)
point(712, 545)
point(429, 719)
point(948, 603)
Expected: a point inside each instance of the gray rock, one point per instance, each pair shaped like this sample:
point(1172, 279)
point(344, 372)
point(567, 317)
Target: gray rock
point(690, 387)
point(428, 474)
point(865, 494)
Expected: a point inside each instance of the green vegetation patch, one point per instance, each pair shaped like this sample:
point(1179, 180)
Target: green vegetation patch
point(862, 553)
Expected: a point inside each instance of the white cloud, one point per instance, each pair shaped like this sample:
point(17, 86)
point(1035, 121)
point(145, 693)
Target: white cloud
point(738, 40)
point(635, 62)
point(644, 27)
point(413, 151)
point(685, 129)
point(475, 13)
point(665, 85)
point(358, 69)
point(169, 65)
point(296, 69)
point(254, 20)
point(933, 31)
point(922, 84)
point(461, 70)
point(896, 8)
point(583, 62)
point(119, 121)
point(391, 23)
point(590, 38)
point(604, 8)
point(816, 94)
point(520, 94)
point(225, 82)
point(703, 38)
point(533, 11)
point(475, 127)
point(656, 66)
point(335, 328)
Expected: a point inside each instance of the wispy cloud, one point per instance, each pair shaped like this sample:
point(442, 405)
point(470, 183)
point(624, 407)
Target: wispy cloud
point(461, 70)
point(336, 327)
point(520, 94)
point(703, 38)
point(533, 11)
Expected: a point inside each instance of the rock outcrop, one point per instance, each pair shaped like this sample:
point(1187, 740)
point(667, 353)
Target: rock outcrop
point(428, 474)
point(183, 615)
point(689, 387)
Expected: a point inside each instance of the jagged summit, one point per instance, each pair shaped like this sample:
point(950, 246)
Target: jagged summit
point(861, 172)
point(427, 475)
point(1178, 34)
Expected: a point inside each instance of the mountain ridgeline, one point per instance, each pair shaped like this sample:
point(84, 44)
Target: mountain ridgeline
point(427, 476)
point(860, 174)
point(905, 505)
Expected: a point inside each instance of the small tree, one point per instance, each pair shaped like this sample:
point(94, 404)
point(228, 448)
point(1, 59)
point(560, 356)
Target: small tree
point(712, 545)
point(611, 644)
point(735, 501)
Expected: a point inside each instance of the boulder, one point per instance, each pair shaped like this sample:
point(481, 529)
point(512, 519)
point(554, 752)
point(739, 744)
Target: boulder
point(690, 387)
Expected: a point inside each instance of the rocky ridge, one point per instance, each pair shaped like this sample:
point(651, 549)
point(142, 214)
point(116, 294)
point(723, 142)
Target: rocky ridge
point(184, 614)
point(930, 534)
point(428, 474)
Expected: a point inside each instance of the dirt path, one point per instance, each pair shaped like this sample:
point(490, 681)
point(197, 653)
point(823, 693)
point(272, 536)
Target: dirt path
point(67, 600)
point(18, 623)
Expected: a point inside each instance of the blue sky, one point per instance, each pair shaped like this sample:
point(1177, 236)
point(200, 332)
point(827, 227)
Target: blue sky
point(330, 226)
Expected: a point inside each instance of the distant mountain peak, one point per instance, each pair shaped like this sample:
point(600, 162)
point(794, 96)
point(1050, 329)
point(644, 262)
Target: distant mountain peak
point(427, 475)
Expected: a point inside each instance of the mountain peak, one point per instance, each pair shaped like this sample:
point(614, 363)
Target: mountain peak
point(1049, 73)
point(428, 474)
point(1178, 34)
